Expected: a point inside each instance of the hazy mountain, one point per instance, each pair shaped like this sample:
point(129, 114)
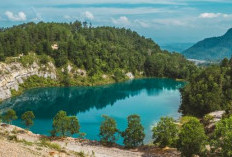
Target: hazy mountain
point(215, 48)
point(176, 47)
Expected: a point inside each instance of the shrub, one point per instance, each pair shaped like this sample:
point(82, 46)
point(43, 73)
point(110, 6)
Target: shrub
point(165, 133)
point(192, 138)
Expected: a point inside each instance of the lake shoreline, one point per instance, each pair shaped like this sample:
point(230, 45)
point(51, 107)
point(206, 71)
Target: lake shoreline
point(88, 147)
point(21, 91)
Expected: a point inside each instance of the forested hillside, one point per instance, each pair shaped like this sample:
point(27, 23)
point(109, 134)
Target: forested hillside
point(98, 50)
point(214, 49)
point(208, 90)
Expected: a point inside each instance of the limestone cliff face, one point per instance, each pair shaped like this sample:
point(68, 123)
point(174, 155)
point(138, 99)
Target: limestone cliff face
point(14, 74)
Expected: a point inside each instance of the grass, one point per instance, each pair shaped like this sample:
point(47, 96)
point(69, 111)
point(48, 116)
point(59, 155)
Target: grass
point(12, 138)
point(26, 142)
point(46, 143)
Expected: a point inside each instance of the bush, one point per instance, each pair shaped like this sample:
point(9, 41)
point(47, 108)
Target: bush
point(12, 138)
point(46, 143)
point(165, 133)
point(223, 136)
point(192, 138)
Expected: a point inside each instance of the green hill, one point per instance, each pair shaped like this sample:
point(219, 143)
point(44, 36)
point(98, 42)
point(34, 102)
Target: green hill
point(98, 50)
point(216, 48)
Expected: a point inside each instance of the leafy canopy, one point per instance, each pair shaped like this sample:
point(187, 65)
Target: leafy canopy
point(27, 118)
point(165, 133)
point(108, 131)
point(134, 134)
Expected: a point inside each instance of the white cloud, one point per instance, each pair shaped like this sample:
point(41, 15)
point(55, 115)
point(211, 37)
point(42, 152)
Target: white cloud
point(21, 16)
point(88, 15)
point(67, 17)
point(169, 22)
point(214, 15)
point(142, 23)
point(38, 16)
point(123, 20)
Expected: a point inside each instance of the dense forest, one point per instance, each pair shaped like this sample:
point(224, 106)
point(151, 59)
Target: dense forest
point(208, 90)
point(98, 50)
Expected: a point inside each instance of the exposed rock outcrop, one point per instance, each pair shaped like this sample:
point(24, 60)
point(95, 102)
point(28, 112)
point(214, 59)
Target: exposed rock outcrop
point(14, 74)
point(130, 75)
point(214, 118)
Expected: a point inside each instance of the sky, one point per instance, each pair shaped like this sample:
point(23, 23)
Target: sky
point(165, 21)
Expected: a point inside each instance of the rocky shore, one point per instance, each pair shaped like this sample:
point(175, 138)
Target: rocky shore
point(17, 142)
point(14, 74)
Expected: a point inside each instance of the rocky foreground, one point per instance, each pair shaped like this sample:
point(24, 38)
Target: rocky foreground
point(17, 142)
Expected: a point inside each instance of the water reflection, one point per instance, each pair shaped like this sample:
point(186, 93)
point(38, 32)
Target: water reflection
point(46, 102)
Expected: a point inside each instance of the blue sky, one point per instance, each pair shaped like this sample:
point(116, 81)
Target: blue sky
point(165, 21)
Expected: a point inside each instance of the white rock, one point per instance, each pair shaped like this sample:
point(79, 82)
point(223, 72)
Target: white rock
point(130, 75)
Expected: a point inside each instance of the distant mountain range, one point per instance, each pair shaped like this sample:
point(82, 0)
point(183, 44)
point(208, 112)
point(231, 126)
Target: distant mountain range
point(215, 48)
point(176, 47)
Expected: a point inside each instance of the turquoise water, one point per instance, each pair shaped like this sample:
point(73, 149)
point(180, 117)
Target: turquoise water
point(149, 98)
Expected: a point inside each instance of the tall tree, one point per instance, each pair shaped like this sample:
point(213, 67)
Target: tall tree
point(27, 118)
point(134, 134)
point(73, 126)
point(165, 133)
point(108, 130)
point(61, 123)
point(192, 138)
point(9, 116)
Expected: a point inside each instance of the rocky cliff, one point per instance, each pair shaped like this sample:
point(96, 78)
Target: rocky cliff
point(14, 74)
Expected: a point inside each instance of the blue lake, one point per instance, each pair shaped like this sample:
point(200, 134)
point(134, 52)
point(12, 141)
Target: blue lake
point(149, 98)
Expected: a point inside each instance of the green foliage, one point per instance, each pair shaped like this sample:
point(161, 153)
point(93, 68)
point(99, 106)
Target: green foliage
point(44, 142)
point(206, 119)
point(223, 136)
point(64, 125)
point(165, 133)
point(16, 93)
point(208, 90)
point(12, 138)
point(192, 138)
point(168, 65)
point(60, 123)
point(185, 119)
point(27, 118)
point(44, 59)
point(9, 116)
point(36, 81)
point(108, 130)
point(27, 60)
point(104, 50)
point(74, 126)
point(134, 134)
point(119, 75)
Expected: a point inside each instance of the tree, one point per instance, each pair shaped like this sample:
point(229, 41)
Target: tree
point(9, 116)
point(27, 118)
point(223, 136)
point(108, 130)
point(60, 124)
point(192, 138)
point(134, 134)
point(74, 126)
point(165, 133)
point(64, 125)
